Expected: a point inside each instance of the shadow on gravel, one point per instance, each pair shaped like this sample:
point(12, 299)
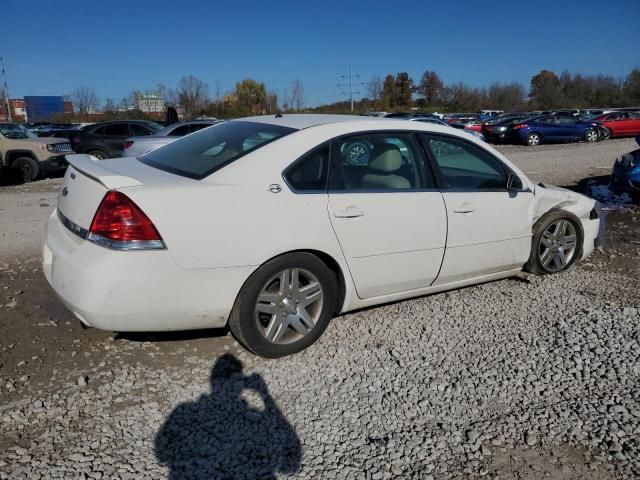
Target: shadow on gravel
point(172, 336)
point(10, 177)
point(236, 431)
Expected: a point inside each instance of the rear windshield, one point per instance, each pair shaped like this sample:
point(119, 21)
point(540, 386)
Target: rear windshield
point(208, 150)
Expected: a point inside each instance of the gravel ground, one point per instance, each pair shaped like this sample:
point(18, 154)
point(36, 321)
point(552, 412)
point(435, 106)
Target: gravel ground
point(527, 378)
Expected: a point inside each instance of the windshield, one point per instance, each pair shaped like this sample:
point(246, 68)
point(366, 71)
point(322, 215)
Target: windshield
point(208, 150)
point(15, 131)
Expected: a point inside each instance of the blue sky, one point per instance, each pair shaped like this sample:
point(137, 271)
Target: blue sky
point(51, 47)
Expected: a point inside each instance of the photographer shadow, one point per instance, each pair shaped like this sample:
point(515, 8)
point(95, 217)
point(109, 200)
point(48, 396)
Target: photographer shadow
point(235, 432)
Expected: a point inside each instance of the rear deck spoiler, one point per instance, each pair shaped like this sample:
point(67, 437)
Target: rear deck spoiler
point(96, 170)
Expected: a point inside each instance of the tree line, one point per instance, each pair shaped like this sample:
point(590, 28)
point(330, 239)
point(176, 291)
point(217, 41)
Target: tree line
point(547, 90)
point(399, 92)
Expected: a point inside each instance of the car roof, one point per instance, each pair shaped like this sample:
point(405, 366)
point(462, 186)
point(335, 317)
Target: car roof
point(306, 120)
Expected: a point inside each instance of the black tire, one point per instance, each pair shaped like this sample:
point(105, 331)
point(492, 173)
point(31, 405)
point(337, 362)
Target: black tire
point(99, 154)
point(28, 168)
point(591, 136)
point(534, 139)
point(243, 323)
point(535, 264)
point(606, 133)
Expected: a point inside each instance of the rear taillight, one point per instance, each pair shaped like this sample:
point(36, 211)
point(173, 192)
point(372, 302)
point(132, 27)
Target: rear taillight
point(121, 225)
point(520, 125)
point(127, 144)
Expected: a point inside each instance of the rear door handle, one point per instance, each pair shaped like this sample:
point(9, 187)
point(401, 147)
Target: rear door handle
point(465, 208)
point(349, 212)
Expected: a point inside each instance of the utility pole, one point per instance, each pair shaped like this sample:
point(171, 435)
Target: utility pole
point(6, 90)
point(350, 77)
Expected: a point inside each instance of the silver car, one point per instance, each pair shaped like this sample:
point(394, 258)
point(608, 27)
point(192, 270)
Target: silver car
point(135, 146)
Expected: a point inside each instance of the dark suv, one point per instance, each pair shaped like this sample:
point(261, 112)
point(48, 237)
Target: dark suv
point(106, 139)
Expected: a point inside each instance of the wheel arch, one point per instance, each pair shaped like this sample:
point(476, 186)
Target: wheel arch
point(12, 155)
point(327, 259)
point(560, 209)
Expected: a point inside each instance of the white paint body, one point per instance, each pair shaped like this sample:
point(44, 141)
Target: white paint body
point(222, 228)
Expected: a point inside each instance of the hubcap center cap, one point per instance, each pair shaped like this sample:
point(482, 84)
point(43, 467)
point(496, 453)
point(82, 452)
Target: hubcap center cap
point(289, 306)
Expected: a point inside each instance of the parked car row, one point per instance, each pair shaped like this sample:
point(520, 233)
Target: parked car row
point(534, 128)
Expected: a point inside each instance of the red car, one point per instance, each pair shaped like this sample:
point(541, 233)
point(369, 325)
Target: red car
point(620, 124)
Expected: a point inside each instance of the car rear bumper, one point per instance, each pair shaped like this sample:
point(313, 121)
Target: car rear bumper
point(135, 290)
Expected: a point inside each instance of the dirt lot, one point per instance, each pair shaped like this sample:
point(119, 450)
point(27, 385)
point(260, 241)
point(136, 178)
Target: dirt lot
point(65, 389)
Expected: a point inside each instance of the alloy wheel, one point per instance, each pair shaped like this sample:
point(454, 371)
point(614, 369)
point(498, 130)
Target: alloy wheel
point(557, 245)
point(533, 139)
point(289, 306)
point(591, 136)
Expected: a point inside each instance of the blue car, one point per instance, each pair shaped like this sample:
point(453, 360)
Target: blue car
point(625, 176)
point(555, 128)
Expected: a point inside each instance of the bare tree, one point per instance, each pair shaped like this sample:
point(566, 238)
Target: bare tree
point(85, 99)
point(109, 105)
point(286, 101)
point(192, 95)
point(297, 94)
point(374, 89)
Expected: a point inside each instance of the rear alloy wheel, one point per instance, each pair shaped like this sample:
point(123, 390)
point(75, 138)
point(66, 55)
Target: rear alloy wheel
point(533, 139)
point(99, 154)
point(591, 136)
point(556, 243)
point(28, 167)
point(285, 305)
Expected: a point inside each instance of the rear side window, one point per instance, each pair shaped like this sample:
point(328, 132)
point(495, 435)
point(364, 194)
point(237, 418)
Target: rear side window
point(309, 173)
point(208, 150)
point(376, 162)
point(117, 130)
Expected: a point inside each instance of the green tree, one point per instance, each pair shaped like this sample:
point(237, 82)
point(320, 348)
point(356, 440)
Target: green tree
point(404, 91)
point(430, 87)
point(388, 99)
point(252, 95)
point(631, 88)
point(545, 90)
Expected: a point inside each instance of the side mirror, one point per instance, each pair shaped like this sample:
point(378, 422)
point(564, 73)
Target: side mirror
point(514, 183)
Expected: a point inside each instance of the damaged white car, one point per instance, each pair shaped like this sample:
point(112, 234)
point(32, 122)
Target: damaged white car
point(275, 224)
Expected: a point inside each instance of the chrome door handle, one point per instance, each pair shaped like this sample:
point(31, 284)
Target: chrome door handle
point(465, 208)
point(349, 212)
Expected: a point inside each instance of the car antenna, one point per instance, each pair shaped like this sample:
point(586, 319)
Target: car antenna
point(279, 115)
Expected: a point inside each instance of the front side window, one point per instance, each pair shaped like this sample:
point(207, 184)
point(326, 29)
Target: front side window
point(377, 161)
point(210, 149)
point(140, 130)
point(309, 173)
point(180, 131)
point(465, 166)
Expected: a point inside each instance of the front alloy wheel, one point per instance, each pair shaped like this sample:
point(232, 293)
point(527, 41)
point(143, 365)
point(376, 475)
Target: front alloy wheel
point(557, 245)
point(591, 136)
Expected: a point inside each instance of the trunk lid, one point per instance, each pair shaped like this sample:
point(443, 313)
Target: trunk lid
point(87, 180)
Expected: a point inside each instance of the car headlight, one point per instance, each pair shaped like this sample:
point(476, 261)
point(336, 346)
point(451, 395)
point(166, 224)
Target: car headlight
point(50, 147)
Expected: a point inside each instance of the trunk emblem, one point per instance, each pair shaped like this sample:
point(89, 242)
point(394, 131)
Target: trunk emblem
point(275, 188)
point(65, 191)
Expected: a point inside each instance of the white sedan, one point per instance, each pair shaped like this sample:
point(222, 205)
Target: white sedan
point(275, 224)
